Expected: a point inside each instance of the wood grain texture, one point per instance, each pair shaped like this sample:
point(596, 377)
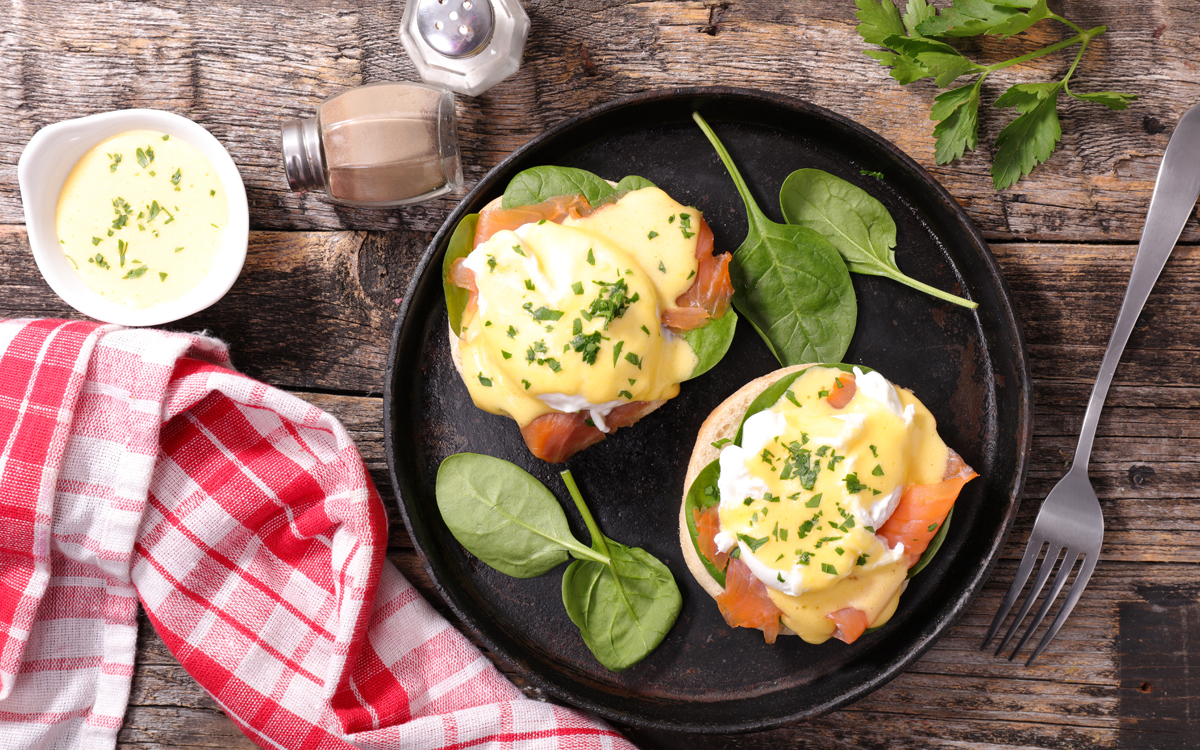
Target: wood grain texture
point(240, 69)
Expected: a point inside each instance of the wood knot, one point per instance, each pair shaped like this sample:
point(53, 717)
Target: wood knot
point(1152, 126)
point(716, 13)
point(589, 65)
point(1138, 474)
point(1145, 687)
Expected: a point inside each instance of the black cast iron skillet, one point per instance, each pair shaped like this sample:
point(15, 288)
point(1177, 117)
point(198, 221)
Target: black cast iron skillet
point(969, 368)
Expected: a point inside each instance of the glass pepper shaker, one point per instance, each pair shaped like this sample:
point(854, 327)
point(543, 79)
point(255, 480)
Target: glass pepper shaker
point(384, 144)
point(467, 46)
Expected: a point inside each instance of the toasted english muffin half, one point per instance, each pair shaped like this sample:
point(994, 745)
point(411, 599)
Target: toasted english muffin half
point(722, 423)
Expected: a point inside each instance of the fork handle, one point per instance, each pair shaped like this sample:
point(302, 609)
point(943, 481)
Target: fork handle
point(1175, 192)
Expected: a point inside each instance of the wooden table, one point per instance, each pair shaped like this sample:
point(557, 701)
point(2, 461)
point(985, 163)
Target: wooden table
point(314, 307)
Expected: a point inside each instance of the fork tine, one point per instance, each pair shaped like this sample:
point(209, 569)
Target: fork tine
point(1052, 553)
point(1064, 572)
point(1032, 549)
point(1081, 581)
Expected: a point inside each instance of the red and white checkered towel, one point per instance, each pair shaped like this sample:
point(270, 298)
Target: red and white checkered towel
point(136, 465)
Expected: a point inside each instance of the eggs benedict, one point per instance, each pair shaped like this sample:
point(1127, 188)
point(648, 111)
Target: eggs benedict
point(580, 319)
point(812, 495)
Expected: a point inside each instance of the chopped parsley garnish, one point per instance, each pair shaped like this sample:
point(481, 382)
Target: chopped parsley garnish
point(587, 345)
point(536, 348)
point(862, 560)
point(837, 382)
point(212, 192)
point(814, 501)
point(839, 550)
point(685, 223)
point(542, 313)
point(803, 557)
point(179, 249)
point(827, 568)
point(526, 383)
point(826, 539)
point(136, 273)
point(517, 249)
point(877, 471)
point(577, 287)
point(853, 485)
point(591, 259)
point(634, 359)
point(506, 355)
point(651, 236)
point(721, 443)
point(577, 326)
point(833, 461)
point(671, 219)
point(512, 332)
point(646, 330)
point(116, 159)
point(823, 451)
point(626, 394)
point(691, 274)
point(491, 263)
point(662, 267)
point(612, 302)
point(99, 260)
point(484, 381)
point(748, 501)
point(791, 397)
point(176, 177)
point(122, 248)
point(822, 393)
point(783, 534)
point(617, 352)
point(779, 575)
point(801, 465)
point(96, 240)
point(752, 542)
point(529, 286)
point(874, 452)
point(146, 157)
point(736, 552)
point(162, 275)
point(932, 527)
point(869, 529)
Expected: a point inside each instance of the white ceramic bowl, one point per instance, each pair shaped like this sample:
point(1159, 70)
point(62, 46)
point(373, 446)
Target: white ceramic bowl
point(43, 168)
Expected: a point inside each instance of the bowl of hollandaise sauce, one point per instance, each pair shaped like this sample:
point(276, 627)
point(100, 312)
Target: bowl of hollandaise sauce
point(136, 217)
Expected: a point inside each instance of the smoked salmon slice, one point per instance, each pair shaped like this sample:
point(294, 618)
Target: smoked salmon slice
point(708, 524)
point(851, 623)
point(923, 508)
point(745, 604)
point(556, 437)
point(839, 396)
point(494, 219)
point(709, 293)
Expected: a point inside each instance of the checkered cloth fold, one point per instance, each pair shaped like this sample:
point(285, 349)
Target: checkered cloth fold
point(136, 465)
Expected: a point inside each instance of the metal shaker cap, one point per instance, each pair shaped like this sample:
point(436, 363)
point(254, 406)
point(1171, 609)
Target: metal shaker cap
point(455, 28)
point(303, 160)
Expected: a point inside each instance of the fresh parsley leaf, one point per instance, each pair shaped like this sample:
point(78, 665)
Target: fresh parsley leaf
point(1026, 141)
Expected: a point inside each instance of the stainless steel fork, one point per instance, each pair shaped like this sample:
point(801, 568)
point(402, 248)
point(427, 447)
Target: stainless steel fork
point(1070, 521)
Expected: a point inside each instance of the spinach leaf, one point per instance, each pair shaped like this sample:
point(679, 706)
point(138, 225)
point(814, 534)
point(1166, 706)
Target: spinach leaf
point(712, 341)
point(460, 246)
point(543, 183)
point(504, 516)
point(623, 609)
point(789, 282)
point(858, 225)
point(934, 545)
point(633, 182)
point(703, 494)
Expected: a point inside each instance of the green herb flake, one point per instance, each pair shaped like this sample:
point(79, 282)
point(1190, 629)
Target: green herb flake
point(591, 259)
point(176, 177)
point(179, 249)
point(162, 275)
point(122, 249)
point(96, 240)
point(166, 137)
point(529, 284)
point(617, 352)
point(517, 249)
point(814, 501)
point(877, 471)
point(869, 173)
point(491, 263)
point(932, 527)
point(136, 273)
point(862, 560)
point(116, 160)
point(507, 355)
point(827, 568)
point(854, 486)
point(577, 287)
point(626, 394)
point(791, 397)
point(634, 359)
point(212, 192)
point(526, 383)
point(691, 274)
point(721, 443)
point(874, 452)
point(652, 235)
point(753, 543)
point(487, 382)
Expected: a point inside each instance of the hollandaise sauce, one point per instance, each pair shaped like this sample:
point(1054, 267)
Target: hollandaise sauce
point(141, 217)
point(815, 478)
point(568, 316)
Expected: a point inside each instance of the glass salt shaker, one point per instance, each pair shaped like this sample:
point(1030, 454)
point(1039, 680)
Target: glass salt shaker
point(384, 144)
point(467, 46)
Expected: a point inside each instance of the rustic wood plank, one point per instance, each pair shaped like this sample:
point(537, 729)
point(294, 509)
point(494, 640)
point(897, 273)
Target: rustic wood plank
point(64, 58)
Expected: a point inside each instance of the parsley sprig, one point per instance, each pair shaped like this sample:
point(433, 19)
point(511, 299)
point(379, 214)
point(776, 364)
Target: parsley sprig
point(916, 49)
